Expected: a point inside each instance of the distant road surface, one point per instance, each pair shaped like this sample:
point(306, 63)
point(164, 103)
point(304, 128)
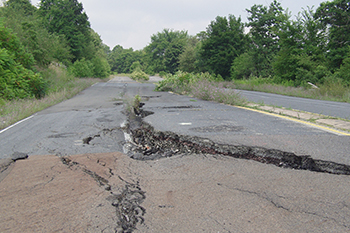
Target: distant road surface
point(329, 108)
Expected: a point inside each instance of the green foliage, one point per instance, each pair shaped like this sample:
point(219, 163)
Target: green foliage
point(101, 68)
point(180, 81)
point(202, 85)
point(67, 17)
point(121, 59)
point(135, 65)
point(189, 59)
point(45, 48)
point(242, 67)
point(264, 22)
point(139, 75)
point(164, 50)
point(225, 41)
point(344, 71)
point(16, 79)
point(336, 15)
point(11, 43)
point(82, 68)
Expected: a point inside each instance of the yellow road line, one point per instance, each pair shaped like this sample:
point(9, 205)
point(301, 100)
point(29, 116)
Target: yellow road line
point(296, 120)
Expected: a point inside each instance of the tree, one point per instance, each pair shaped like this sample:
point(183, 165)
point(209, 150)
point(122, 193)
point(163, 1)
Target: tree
point(121, 60)
point(66, 17)
point(225, 41)
point(285, 62)
point(22, 18)
point(17, 80)
point(336, 15)
point(187, 58)
point(22, 5)
point(164, 50)
point(264, 22)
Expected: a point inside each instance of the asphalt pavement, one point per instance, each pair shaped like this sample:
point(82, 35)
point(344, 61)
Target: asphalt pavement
point(81, 142)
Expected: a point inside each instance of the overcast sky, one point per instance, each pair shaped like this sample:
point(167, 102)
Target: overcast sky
point(130, 23)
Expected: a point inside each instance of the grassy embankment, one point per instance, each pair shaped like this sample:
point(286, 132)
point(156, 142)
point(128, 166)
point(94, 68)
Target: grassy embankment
point(333, 90)
point(210, 87)
point(61, 86)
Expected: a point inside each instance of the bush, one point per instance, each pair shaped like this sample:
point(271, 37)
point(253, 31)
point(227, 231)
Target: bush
point(139, 75)
point(135, 65)
point(242, 67)
point(203, 86)
point(101, 68)
point(17, 81)
point(82, 68)
point(180, 81)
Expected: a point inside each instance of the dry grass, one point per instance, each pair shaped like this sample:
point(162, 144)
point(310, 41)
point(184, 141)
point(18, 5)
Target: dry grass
point(62, 87)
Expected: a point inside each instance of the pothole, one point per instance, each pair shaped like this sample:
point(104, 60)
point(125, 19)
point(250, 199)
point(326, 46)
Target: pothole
point(146, 143)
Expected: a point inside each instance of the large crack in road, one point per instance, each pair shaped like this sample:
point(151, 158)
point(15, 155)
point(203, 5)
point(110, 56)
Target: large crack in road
point(146, 143)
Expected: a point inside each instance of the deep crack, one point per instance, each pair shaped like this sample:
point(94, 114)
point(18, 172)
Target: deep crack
point(128, 207)
point(146, 143)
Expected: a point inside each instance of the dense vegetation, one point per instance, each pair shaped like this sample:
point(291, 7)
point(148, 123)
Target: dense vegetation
point(58, 32)
point(313, 47)
point(271, 47)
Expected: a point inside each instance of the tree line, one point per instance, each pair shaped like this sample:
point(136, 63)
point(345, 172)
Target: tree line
point(32, 38)
point(313, 47)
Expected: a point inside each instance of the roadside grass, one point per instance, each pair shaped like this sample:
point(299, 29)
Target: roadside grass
point(213, 88)
point(203, 86)
point(61, 86)
point(333, 90)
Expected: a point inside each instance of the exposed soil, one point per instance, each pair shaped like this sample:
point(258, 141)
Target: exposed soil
point(127, 202)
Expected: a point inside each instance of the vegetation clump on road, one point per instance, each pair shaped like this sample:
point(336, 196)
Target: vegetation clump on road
point(203, 86)
point(139, 75)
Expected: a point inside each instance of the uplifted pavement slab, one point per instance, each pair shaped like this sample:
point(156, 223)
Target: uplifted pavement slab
point(193, 193)
point(42, 194)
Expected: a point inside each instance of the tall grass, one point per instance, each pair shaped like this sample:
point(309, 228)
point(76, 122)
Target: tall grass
point(331, 89)
point(213, 91)
point(203, 86)
point(62, 86)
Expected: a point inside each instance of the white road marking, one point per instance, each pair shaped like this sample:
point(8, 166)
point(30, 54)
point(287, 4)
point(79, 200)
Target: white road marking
point(19, 122)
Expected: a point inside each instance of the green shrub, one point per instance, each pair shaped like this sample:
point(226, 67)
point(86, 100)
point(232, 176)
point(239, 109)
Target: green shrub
point(139, 75)
point(17, 81)
point(180, 81)
point(101, 68)
point(82, 68)
point(135, 65)
point(242, 67)
point(162, 74)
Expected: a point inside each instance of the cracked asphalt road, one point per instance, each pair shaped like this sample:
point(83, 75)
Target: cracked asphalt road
point(183, 193)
